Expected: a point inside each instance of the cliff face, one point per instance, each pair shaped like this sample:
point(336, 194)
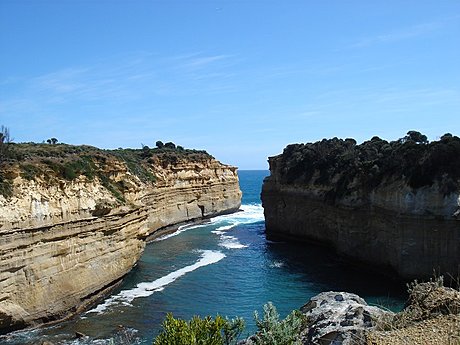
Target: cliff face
point(411, 230)
point(64, 242)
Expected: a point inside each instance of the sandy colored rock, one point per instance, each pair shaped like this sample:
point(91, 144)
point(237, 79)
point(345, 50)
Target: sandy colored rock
point(63, 243)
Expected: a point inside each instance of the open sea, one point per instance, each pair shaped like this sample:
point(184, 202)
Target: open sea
point(225, 267)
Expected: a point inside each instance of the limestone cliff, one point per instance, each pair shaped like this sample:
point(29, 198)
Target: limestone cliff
point(387, 204)
point(66, 236)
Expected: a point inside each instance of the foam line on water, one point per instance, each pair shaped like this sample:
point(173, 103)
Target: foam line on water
point(180, 230)
point(146, 289)
point(226, 227)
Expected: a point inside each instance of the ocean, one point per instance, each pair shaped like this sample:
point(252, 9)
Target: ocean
point(225, 266)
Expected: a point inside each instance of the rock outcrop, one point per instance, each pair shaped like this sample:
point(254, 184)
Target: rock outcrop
point(66, 241)
point(392, 205)
point(339, 318)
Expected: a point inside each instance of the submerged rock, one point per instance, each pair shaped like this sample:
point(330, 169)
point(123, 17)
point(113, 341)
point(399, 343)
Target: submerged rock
point(339, 318)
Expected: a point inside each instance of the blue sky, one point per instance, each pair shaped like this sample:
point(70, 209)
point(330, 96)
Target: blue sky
point(241, 79)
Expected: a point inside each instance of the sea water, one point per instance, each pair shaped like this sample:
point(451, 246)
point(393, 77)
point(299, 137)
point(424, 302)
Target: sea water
point(226, 267)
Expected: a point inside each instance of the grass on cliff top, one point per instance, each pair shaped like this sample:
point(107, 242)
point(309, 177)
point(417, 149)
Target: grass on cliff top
point(344, 167)
point(51, 161)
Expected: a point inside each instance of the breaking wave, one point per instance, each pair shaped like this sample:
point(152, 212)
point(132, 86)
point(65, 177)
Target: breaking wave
point(146, 289)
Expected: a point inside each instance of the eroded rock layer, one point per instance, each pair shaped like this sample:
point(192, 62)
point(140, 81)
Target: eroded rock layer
point(63, 243)
point(361, 201)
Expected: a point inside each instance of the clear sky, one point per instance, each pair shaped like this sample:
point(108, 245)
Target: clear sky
point(241, 79)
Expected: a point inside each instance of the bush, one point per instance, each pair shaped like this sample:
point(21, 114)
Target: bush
point(6, 187)
point(170, 145)
point(273, 331)
point(29, 171)
point(199, 331)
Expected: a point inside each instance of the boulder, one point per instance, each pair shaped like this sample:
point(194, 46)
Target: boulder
point(339, 318)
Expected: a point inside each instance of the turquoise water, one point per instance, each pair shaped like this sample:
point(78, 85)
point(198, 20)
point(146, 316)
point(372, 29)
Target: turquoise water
point(224, 267)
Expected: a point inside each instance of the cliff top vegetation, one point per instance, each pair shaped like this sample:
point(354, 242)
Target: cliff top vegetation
point(339, 163)
point(52, 160)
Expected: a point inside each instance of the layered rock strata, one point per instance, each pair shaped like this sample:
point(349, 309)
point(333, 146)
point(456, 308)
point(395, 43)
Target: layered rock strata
point(63, 243)
point(366, 208)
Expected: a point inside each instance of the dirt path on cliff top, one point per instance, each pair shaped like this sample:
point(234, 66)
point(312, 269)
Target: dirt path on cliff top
point(442, 330)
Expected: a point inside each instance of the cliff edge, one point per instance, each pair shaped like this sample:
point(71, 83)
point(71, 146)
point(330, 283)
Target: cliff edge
point(75, 219)
point(392, 204)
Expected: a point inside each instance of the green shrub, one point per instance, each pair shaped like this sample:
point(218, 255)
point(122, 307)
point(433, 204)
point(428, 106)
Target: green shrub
point(112, 187)
point(273, 331)
point(198, 331)
point(29, 171)
point(6, 187)
point(69, 172)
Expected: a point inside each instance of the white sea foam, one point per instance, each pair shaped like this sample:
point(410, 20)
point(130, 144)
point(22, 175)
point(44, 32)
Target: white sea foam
point(248, 214)
point(224, 228)
point(231, 242)
point(180, 230)
point(146, 289)
point(277, 264)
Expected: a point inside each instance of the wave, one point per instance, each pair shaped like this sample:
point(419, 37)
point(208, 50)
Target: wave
point(146, 289)
point(248, 214)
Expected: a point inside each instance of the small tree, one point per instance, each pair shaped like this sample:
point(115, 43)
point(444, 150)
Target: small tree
point(5, 140)
point(145, 151)
point(170, 145)
point(446, 136)
point(54, 141)
point(416, 137)
point(159, 144)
